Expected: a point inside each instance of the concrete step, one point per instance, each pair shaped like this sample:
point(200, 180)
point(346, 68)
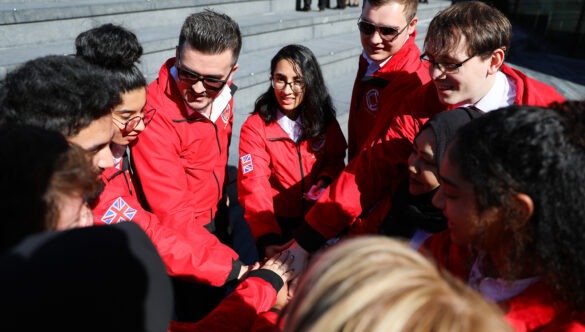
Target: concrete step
point(40, 28)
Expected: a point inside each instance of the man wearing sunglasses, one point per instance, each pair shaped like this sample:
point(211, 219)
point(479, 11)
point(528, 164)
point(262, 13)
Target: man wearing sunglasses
point(389, 63)
point(181, 160)
point(465, 47)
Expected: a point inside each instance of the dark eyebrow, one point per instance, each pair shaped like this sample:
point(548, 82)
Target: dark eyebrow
point(444, 180)
point(125, 111)
point(418, 150)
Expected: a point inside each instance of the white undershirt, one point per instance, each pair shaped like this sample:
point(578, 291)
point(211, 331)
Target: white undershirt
point(372, 65)
point(292, 128)
point(502, 94)
point(496, 289)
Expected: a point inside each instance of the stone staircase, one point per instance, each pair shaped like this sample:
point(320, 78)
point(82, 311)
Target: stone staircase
point(33, 28)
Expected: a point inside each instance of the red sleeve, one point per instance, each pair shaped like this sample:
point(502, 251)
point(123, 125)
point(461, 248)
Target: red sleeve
point(254, 189)
point(363, 182)
point(193, 259)
point(162, 173)
point(371, 175)
point(162, 176)
point(238, 311)
point(266, 322)
point(335, 147)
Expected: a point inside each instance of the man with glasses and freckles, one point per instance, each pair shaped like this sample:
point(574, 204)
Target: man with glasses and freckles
point(389, 63)
point(465, 48)
point(181, 160)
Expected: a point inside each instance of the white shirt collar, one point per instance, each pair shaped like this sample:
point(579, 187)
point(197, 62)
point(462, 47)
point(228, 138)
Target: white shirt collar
point(502, 94)
point(496, 289)
point(293, 129)
point(372, 65)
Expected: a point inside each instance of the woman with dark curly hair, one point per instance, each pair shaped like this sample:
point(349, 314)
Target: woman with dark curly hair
point(512, 191)
point(291, 148)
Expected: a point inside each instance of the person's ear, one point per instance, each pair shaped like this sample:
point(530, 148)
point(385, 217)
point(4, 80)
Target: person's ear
point(412, 25)
point(520, 211)
point(236, 66)
point(496, 60)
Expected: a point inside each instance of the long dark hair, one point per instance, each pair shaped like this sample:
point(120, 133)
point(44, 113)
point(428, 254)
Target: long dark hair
point(316, 111)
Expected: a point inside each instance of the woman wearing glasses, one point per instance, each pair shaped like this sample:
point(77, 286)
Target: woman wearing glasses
point(117, 50)
point(291, 148)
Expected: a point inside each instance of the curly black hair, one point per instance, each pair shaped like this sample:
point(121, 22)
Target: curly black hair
point(316, 110)
point(541, 153)
point(57, 92)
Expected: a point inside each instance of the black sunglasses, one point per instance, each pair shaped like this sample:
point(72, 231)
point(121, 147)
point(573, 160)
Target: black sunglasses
point(191, 78)
point(386, 33)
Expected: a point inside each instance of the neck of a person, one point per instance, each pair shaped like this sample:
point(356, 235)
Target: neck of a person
point(503, 262)
point(117, 150)
point(483, 89)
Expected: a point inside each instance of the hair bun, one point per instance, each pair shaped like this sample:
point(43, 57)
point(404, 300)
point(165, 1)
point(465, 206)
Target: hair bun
point(110, 46)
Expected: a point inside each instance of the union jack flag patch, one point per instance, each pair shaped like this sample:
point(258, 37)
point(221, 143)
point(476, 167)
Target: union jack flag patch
point(246, 162)
point(119, 211)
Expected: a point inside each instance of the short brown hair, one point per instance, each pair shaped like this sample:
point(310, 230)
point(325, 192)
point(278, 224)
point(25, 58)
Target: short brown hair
point(74, 174)
point(211, 32)
point(485, 29)
point(410, 6)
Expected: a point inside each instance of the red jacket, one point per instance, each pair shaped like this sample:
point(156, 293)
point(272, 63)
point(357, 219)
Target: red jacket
point(371, 95)
point(191, 258)
point(274, 172)
point(239, 310)
point(376, 172)
point(181, 159)
point(534, 309)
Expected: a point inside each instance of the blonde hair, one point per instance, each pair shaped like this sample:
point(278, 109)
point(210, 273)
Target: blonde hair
point(375, 283)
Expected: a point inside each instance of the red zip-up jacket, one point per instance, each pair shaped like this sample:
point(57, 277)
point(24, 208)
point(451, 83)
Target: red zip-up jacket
point(190, 258)
point(275, 172)
point(239, 310)
point(181, 160)
point(372, 95)
point(534, 309)
point(377, 171)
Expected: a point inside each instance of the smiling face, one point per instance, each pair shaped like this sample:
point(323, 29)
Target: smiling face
point(422, 164)
point(388, 15)
point(470, 82)
point(217, 66)
point(457, 200)
point(132, 106)
point(286, 98)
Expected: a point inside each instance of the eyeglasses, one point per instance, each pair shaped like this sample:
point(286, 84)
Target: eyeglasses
point(133, 122)
point(445, 67)
point(190, 77)
point(297, 86)
point(388, 34)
